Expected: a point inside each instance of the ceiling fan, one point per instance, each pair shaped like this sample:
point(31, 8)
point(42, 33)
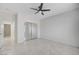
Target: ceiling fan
point(40, 9)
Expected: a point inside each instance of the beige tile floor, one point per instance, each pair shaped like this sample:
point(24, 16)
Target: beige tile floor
point(39, 47)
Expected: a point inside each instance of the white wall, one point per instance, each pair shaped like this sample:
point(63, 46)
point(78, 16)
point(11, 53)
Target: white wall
point(21, 19)
point(62, 28)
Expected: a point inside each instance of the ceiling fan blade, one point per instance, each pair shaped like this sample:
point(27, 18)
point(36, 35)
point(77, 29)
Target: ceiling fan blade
point(42, 13)
point(33, 8)
point(41, 4)
point(36, 12)
point(45, 10)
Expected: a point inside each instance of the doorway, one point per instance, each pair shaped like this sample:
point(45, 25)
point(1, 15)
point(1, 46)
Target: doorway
point(7, 30)
point(8, 35)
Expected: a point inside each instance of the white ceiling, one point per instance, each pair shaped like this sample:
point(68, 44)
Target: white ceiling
point(24, 8)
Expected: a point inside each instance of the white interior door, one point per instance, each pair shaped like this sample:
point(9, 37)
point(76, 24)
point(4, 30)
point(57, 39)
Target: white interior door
point(1, 35)
point(34, 31)
point(28, 29)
